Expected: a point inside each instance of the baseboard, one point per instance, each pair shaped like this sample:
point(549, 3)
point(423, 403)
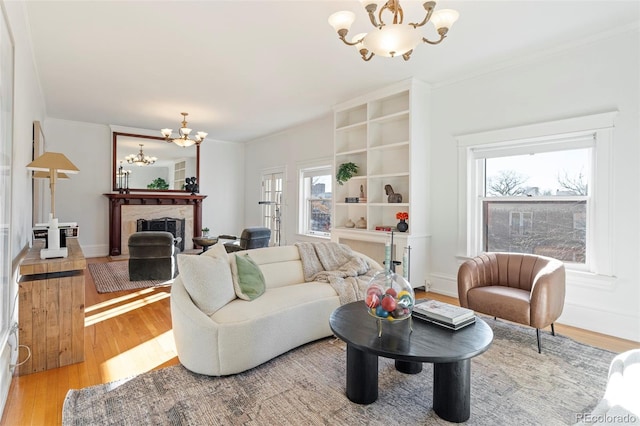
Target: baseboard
point(588, 317)
point(5, 375)
point(98, 250)
point(444, 284)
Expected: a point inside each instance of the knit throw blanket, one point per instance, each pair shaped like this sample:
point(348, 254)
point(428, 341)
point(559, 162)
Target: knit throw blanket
point(337, 265)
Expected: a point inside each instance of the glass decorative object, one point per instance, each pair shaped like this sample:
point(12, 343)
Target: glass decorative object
point(389, 298)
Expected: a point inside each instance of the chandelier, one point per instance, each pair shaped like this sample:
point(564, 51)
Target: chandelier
point(396, 38)
point(140, 159)
point(183, 139)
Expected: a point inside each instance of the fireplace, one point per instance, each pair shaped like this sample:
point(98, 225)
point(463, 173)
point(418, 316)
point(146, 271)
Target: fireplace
point(126, 209)
point(168, 224)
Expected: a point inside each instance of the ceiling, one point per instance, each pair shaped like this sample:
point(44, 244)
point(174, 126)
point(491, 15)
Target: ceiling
point(246, 69)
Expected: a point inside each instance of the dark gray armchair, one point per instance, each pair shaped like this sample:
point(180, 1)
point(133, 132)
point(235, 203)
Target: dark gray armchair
point(251, 238)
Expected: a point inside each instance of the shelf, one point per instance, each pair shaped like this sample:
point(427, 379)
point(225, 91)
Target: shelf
point(389, 204)
point(353, 116)
point(351, 204)
point(390, 117)
point(389, 105)
point(389, 175)
point(353, 151)
point(388, 146)
point(350, 126)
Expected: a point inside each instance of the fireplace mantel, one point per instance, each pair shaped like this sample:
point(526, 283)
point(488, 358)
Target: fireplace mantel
point(117, 200)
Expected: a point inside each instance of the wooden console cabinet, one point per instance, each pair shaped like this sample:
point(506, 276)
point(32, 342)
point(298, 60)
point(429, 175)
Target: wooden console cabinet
point(51, 309)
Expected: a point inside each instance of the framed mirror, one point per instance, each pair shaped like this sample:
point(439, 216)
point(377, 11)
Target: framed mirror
point(169, 166)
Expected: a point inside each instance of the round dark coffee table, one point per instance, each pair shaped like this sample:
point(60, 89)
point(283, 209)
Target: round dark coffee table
point(449, 351)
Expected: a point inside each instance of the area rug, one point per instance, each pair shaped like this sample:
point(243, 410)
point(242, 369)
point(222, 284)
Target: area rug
point(511, 385)
point(114, 276)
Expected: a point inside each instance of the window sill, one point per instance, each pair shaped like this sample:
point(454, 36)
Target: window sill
point(314, 236)
point(591, 279)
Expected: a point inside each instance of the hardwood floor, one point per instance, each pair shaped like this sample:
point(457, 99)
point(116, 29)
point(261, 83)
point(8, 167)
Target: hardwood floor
point(129, 333)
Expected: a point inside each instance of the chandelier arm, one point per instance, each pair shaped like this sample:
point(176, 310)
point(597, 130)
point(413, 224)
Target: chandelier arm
point(363, 52)
point(394, 7)
point(371, 10)
point(429, 7)
point(406, 56)
point(442, 37)
point(343, 33)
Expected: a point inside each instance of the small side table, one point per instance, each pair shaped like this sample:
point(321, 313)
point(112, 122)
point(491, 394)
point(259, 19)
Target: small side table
point(204, 242)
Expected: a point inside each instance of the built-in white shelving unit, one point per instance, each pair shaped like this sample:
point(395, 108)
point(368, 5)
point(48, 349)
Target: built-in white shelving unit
point(385, 133)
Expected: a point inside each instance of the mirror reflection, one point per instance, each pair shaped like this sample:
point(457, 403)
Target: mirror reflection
point(149, 163)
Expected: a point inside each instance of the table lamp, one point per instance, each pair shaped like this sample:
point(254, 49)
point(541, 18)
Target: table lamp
point(53, 165)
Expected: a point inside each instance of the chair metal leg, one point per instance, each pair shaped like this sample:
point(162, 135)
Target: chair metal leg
point(538, 336)
point(553, 331)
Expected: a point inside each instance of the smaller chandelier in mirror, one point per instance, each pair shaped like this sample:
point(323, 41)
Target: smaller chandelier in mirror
point(140, 159)
point(183, 138)
point(393, 38)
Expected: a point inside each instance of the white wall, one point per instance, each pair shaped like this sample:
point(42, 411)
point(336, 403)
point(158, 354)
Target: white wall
point(597, 77)
point(28, 107)
point(222, 179)
point(79, 199)
point(290, 148)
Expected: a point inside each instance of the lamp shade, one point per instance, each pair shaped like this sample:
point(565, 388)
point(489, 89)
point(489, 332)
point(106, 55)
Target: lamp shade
point(392, 40)
point(53, 161)
point(444, 18)
point(342, 20)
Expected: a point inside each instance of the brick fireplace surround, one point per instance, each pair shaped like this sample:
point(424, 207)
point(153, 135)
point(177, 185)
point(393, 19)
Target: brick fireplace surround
point(150, 205)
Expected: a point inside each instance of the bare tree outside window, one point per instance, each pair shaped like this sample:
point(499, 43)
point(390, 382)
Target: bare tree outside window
point(506, 183)
point(575, 184)
point(548, 217)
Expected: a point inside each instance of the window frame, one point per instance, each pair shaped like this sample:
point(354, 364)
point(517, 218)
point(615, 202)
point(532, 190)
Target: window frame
point(303, 211)
point(272, 215)
point(540, 137)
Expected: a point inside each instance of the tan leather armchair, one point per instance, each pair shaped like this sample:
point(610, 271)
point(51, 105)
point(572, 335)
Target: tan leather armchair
point(523, 288)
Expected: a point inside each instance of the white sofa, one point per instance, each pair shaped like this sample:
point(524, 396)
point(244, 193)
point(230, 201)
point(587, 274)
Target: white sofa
point(244, 334)
point(621, 401)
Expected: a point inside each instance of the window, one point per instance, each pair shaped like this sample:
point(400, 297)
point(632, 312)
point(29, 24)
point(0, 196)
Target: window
point(530, 201)
point(536, 189)
point(315, 201)
point(272, 184)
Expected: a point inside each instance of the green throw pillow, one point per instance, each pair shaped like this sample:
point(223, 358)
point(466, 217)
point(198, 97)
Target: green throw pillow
point(250, 279)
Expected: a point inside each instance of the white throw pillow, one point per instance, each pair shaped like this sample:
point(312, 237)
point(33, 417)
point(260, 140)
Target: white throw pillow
point(208, 281)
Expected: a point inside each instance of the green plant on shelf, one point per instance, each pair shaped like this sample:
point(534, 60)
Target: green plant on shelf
point(158, 183)
point(346, 171)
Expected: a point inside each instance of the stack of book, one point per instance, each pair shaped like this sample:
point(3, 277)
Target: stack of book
point(443, 314)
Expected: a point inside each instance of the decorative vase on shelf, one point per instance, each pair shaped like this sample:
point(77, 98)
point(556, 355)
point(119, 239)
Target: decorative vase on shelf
point(349, 224)
point(402, 226)
point(362, 223)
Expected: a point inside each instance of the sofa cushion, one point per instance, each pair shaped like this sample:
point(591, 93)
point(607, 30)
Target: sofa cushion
point(281, 266)
point(248, 280)
point(208, 281)
point(276, 302)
